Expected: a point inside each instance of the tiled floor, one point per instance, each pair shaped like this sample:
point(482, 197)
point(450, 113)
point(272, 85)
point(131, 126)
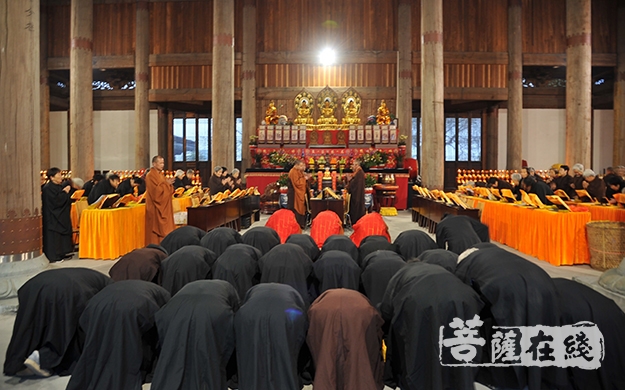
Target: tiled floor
point(396, 225)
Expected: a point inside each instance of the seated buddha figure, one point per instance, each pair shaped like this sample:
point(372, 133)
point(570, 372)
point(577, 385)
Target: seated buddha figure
point(303, 114)
point(271, 113)
point(351, 114)
point(383, 117)
point(327, 114)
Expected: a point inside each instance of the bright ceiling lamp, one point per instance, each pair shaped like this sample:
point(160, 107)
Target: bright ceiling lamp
point(327, 57)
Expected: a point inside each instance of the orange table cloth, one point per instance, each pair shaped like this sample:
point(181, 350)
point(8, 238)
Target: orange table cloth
point(181, 204)
point(606, 213)
point(556, 237)
point(109, 234)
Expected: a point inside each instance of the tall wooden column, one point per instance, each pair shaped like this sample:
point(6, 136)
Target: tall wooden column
point(432, 98)
point(80, 89)
point(492, 138)
point(404, 71)
point(223, 83)
point(163, 129)
point(44, 88)
point(248, 79)
point(514, 150)
point(20, 192)
point(142, 85)
point(578, 81)
point(619, 91)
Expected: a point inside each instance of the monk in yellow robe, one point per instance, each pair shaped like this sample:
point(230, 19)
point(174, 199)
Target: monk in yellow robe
point(297, 192)
point(159, 213)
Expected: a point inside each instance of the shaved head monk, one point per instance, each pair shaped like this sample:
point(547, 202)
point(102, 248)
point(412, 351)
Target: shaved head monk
point(159, 214)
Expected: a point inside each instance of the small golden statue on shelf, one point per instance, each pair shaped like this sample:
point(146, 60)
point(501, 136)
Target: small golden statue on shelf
point(383, 117)
point(327, 114)
point(303, 107)
point(272, 116)
point(351, 106)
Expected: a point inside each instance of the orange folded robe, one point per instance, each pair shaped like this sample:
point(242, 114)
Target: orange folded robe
point(284, 223)
point(370, 225)
point(325, 224)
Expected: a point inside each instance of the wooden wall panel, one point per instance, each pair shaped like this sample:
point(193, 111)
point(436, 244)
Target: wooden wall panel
point(476, 75)
point(114, 29)
point(181, 27)
point(58, 31)
point(475, 25)
point(544, 26)
point(603, 14)
point(181, 77)
point(347, 75)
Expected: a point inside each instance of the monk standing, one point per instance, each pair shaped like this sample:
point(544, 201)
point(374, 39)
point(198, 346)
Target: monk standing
point(297, 192)
point(357, 190)
point(159, 214)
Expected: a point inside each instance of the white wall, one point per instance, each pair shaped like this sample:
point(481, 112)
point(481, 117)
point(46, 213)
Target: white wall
point(603, 139)
point(113, 135)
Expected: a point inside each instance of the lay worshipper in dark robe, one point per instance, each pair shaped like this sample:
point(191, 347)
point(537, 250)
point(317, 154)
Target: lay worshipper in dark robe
point(495, 182)
point(121, 337)
point(216, 181)
point(581, 303)
point(262, 238)
point(128, 186)
point(186, 265)
point(238, 265)
point(297, 189)
point(104, 187)
point(564, 181)
point(353, 360)
point(88, 186)
point(456, 234)
point(340, 243)
point(336, 269)
point(442, 257)
point(178, 176)
point(516, 293)
point(533, 186)
point(183, 236)
point(196, 334)
point(288, 264)
point(411, 243)
point(56, 222)
point(140, 264)
point(307, 243)
point(46, 334)
point(419, 299)
point(578, 176)
point(270, 329)
point(326, 223)
point(615, 185)
point(284, 223)
point(356, 189)
point(374, 243)
point(371, 224)
point(593, 185)
point(378, 269)
point(217, 240)
point(159, 212)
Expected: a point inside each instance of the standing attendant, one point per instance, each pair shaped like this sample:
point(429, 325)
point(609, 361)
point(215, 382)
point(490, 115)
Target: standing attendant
point(159, 213)
point(357, 190)
point(57, 224)
point(297, 192)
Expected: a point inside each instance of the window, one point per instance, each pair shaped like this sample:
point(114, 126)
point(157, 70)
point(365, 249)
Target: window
point(178, 139)
point(238, 138)
point(463, 138)
point(416, 138)
point(191, 138)
point(450, 139)
point(203, 139)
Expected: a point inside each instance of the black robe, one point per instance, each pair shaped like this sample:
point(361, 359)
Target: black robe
point(456, 234)
point(50, 305)
point(270, 329)
point(238, 265)
point(262, 237)
point(288, 264)
point(421, 298)
point(140, 264)
point(609, 192)
point(215, 185)
point(178, 183)
point(578, 181)
point(124, 188)
point(581, 303)
point(336, 269)
point(411, 243)
point(564, 183)
point(516, 293)
point(186, 265)
point(183, 236)
point(57, 223)
point(196, 335)
point(307, 243)
point(371, 244)
point(442, 257)
point(596, 188)
point(356, 189)
point(88, 186)
point(341, 243)
point(542, 189)
point(103, 187)
point(121, 337)
point(217, 240)
point(502, 184)
point(378, 269)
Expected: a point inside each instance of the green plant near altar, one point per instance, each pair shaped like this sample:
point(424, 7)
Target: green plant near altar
point(283, 181)
point(370, 180)
point(402, 140)
point(253, 140)
point(281, 159)
point(373, 158)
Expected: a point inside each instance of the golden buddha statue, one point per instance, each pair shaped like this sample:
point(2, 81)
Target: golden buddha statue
point(327, 114)
point(327, 175)
point(351, 114)
point(303, 114)
point(383, 117)
point(271, 113)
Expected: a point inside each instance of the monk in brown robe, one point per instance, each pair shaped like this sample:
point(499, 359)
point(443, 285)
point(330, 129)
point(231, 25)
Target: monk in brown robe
point(159, 214)
point(298, 183)
point(357, 190)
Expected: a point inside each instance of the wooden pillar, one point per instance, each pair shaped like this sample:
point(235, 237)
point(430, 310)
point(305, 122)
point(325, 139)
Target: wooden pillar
point(80, 89)
point(492, 138)
point(404, 71)
point(163, 127)
point(248, 79)
point(20, 192)
point(223, 83)
point(44, 88)
point(578, 82)
point(514, 150)
point(619, 91)
point(432, 98)
point(142, 85)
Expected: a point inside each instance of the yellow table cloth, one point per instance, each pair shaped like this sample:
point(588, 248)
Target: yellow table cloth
point(181, 204)
point(606, 213)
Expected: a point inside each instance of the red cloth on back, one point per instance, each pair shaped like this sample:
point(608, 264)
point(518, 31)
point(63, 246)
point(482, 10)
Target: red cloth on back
point(370, 225)
point(325, 224)
point(284, 223)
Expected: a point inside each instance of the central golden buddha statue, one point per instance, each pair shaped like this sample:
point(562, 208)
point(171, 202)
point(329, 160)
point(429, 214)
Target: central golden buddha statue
point(303, 114)
point(351, 114)
point(327, 114)
point(383, 117)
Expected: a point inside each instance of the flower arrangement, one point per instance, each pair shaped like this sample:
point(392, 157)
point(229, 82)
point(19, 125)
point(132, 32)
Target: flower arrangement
point(342, 161)
point(373, 158)
point(321, 161)
point(253, 140)
point(281, 159)
point(283, 181)
point(370, 180)
point(402, 140)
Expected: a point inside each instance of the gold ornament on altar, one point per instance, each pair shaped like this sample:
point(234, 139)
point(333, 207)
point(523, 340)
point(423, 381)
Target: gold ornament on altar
point(304, 104)
point(351, 106)
point(271, 114)
point(327, 101)
point(383, 117)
